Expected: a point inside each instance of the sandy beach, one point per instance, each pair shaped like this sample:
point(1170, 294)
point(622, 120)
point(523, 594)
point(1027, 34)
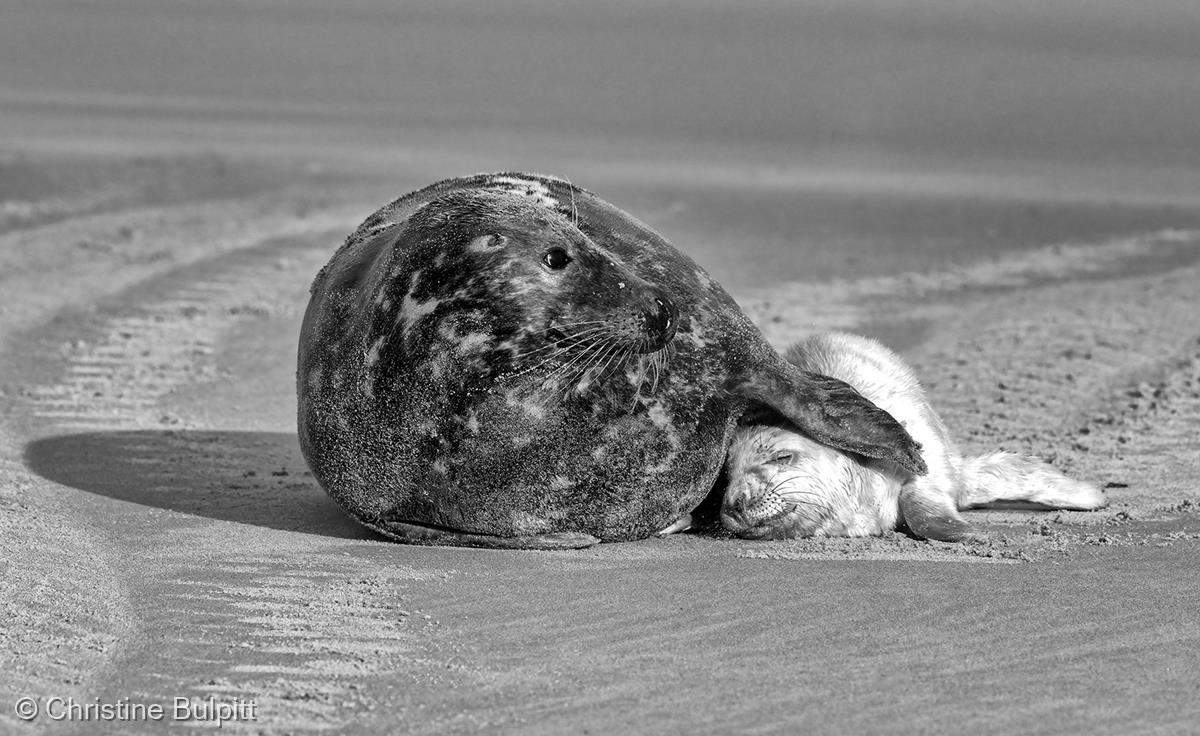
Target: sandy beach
point(1009, 197)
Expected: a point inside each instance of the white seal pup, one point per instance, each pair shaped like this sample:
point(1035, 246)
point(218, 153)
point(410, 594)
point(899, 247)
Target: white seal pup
point(783, 484)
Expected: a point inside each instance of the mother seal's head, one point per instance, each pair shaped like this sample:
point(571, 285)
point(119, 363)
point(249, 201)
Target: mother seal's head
point(508, 360)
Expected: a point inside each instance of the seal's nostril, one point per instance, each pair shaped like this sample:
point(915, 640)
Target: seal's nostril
point(664, 313)
point(658, 318)
point(664, 318)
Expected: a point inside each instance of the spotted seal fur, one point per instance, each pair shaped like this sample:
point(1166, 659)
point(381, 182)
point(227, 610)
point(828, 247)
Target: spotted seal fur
point(784, 484)
point(508, 360)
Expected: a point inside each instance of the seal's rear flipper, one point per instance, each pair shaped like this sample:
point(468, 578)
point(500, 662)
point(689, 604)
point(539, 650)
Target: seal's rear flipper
point(411, 533)
point(1007, 478)
point(833, 413)
point(931, 516)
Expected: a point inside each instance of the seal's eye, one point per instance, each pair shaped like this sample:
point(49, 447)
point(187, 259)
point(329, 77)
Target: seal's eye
point(783, 458)
point(556, 259)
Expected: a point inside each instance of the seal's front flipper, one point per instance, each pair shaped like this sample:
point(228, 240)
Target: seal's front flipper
point(412, 533)
point(833, 413)
point(934, 517)
point(682, 524)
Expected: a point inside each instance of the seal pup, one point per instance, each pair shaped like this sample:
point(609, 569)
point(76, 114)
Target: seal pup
point(508, 360)
point(784, 484)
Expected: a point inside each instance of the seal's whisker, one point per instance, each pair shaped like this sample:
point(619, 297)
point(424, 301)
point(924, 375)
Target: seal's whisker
point(620, 359)
point(643, 371)
point(584, 373)
point(564, 343)
point(564, 369)
point(611, 356)
point(658, 362)
point(575, 339)
point(569, 368)
point(544, 361)
point(568, 325)
point(637, 389)
point(557, 335)
point(769, 444)
point(574, 209)
point(636, 355)
point(642, 362)
point(588, 355)
point(563, 335)
point(591, 371)
point(803, 498)
point(650, 365)
point(555, 350)
point(612, 360)
point(552, 342)
point(792, 492)
point(565, 325)
point(801, 504)
point(774, 487)
point(561, 350)
point(758, 444)
point(569, 357)
point(601, 353)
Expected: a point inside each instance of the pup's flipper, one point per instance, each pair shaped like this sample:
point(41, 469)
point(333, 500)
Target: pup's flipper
point(933, 516)
point(1005, 476)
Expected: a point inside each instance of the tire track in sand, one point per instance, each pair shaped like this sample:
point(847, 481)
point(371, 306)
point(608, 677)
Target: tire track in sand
point(290, 621)
point(67, 611)
point(844, 304)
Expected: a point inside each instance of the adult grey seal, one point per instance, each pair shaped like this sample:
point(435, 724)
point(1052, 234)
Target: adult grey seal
point(508, 360)
point(783, 483)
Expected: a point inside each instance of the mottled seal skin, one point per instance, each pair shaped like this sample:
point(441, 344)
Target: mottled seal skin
point(508, 360)
point(783, 484)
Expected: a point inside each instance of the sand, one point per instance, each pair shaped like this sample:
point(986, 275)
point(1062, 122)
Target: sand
point(160, 536)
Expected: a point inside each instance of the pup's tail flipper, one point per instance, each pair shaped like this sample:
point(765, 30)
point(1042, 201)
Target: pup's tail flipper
point(1007, 477)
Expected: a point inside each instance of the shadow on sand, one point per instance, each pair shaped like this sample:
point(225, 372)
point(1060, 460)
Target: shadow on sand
point(248, 477)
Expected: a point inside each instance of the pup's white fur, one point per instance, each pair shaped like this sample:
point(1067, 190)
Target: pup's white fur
point(784, 484)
